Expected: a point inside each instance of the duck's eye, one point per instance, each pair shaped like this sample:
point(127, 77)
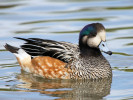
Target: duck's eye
point(103, 45)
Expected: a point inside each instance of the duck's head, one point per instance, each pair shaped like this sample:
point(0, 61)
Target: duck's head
point(94, 36)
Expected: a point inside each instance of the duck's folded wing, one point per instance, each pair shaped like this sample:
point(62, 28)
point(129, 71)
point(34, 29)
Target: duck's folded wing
point(43, 47)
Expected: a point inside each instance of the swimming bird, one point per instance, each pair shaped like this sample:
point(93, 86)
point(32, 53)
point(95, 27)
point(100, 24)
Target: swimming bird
point(63, 60)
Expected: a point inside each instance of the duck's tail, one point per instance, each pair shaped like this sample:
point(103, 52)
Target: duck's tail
point(12, 49)
point(23, 58)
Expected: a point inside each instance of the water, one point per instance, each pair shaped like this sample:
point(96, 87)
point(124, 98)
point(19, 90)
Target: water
point(62, 20)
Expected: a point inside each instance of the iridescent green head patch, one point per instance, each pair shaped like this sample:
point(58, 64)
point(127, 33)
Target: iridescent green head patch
point(88, 29)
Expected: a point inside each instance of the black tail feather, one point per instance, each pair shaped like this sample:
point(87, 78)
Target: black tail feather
point(11, 48)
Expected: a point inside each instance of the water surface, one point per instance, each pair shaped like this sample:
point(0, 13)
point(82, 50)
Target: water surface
point(62, 20)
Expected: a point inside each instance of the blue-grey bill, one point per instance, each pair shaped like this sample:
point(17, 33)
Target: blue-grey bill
point(103, 47)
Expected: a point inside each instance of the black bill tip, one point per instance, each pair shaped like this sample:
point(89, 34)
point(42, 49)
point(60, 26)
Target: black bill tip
point(109, 52)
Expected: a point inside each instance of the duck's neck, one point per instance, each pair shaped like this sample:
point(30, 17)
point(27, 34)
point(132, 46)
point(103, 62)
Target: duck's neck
point(85, 50)
point(89, 51)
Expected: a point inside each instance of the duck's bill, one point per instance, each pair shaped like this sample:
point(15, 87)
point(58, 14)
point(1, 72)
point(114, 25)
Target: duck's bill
point(103, 47)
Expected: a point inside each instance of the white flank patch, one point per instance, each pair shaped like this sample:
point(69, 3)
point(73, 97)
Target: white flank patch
point(22, 54)
point(24, 59)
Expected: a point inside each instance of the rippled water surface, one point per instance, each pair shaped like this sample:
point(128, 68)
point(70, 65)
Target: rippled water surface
point(62, 20)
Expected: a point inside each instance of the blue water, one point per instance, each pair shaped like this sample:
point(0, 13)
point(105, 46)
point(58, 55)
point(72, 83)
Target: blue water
point(62, 20)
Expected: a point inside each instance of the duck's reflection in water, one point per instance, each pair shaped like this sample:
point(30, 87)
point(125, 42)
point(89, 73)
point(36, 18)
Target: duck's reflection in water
point(66, 89)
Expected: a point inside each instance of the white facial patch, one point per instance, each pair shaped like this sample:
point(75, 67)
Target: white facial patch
point(84, 40)
point(94, 41)
point(102, 35)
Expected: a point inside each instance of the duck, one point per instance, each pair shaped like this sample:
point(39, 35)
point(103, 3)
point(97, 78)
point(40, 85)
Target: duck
point(64, 60)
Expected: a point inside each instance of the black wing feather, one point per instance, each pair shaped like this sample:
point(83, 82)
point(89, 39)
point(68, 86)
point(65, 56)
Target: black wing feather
point(44, 47)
